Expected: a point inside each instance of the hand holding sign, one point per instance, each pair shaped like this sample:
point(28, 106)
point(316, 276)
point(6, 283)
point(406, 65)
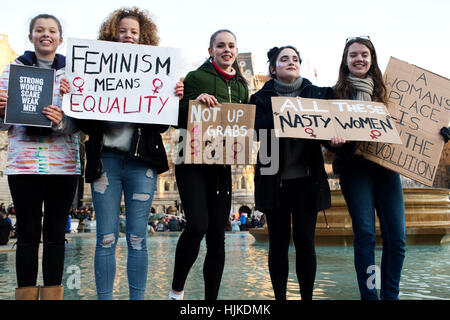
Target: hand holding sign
point(208, 99)
point(325, 119)
point(3, 101)
point(54, 114)
point(419, 101)
point(219, 135)
point(124, 82)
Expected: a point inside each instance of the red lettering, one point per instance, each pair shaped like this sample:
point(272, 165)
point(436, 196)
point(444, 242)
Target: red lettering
point(72, 104)
point(100, 105)
point(93, 104)
point(163, 104)
point(125, 106)
point(115, 103)
point(149, 101)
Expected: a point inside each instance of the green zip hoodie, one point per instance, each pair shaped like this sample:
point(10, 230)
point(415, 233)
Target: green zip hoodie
point(206, 79)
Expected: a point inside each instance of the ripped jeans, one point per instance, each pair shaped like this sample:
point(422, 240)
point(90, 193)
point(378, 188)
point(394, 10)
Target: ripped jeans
point(138, 183)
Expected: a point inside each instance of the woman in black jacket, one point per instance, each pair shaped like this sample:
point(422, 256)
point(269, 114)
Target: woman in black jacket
point(124, 158)
point(297, 185)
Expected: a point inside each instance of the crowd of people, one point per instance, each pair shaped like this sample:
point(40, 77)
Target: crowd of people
point(43, 167)
point(7, 228)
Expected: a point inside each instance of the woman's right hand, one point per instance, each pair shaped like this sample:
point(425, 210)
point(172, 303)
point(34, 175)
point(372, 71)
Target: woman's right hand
point(208, 99)
point(64, 87)
point(3, 101)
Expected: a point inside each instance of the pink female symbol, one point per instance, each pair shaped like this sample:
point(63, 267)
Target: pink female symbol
point(310, 132)
point(375, 134)
point(195, 143)
point(157, 86)
point(79, 86)
point(236, 149)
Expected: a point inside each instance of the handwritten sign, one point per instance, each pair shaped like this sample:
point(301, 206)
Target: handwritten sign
point(419, 100)
point(221, 135)
point(30, 89)
point(324, 119)
point(122, 82)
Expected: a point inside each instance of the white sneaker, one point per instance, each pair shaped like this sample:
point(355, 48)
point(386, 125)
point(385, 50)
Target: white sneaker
point(175, 296)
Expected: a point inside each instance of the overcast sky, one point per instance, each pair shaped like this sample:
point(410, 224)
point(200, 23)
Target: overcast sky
point(414, 31)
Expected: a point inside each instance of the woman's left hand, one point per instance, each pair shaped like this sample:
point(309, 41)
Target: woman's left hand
point(337, 142)
point(179, 89)
point(54, 114)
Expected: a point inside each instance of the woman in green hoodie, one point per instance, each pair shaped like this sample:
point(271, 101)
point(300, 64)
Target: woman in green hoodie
point(205, 190)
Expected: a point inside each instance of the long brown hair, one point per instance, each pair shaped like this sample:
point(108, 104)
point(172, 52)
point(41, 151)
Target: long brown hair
point(235, 64)
point(148, 29)
point(343, 89)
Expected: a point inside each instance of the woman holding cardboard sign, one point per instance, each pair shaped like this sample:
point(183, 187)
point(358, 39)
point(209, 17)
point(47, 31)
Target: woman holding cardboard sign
point(299, 188)
point(43, 166)
point(205, 190)
point(124, 158)
point(368, 187)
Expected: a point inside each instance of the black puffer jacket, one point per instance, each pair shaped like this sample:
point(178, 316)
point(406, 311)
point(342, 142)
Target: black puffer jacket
point(267, 187)
point(146, 145)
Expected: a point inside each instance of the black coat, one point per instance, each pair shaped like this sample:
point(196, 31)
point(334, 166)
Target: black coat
point(267, 187)
point(146, 145)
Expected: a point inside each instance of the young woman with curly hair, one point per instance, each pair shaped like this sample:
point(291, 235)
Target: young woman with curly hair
point(124, 158)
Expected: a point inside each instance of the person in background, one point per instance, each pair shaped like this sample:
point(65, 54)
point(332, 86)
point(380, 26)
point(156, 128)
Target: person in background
point(205, 190)
point(43, 167)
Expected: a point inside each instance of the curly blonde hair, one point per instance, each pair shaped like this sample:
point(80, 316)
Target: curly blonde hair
point(148, 29)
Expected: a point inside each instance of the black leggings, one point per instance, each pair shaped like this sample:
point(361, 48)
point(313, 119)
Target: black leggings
point(28, 193)
point(296, 198)
point(206, 197)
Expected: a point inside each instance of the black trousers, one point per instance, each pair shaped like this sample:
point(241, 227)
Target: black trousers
point(205, 192)
point(29, 192)
point(296, 205)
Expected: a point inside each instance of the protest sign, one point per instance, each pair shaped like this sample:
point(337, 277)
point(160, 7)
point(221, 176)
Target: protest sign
point(122, 82)
point(30, 90)
point(219, 135)
point(324, 119)
point(419, 101)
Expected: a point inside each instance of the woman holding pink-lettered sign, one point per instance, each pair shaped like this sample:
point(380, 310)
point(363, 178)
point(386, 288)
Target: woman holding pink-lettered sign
point(124, 157)
point(205, 189)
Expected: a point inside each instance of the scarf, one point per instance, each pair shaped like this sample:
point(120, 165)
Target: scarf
point(364, 87)
point(288, 89)
point(226, 75)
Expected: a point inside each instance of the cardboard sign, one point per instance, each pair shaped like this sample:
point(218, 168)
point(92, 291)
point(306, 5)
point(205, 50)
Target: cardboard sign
point(221, 135)
point(122, 82)
point(419, 101)
point(324, 119)
point(30, 89)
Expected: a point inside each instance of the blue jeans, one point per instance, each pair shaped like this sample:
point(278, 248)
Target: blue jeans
point(138, 183)
point(367, 187)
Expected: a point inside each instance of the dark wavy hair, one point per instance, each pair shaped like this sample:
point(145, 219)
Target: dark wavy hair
point(343, 89)
point(235, 64)
point(273, 54)
point(148, 29)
